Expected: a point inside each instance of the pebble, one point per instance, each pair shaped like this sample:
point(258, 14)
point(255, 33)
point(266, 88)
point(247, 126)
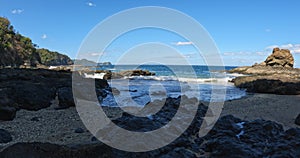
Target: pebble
point(79, 130)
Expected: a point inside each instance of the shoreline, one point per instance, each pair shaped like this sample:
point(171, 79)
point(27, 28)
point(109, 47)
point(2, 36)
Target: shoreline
point(59, 126)
point(279, 108)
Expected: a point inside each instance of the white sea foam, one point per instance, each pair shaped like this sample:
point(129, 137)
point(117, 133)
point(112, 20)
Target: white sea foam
point(181, 79)
point(96, 75)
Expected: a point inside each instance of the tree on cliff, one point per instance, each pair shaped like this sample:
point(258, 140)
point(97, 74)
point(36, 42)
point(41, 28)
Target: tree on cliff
point(53, 58)
point(17, 50)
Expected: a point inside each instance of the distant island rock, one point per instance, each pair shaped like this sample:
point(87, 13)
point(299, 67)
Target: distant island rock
point(17, 50)
point(275, 75)
point(84, 62)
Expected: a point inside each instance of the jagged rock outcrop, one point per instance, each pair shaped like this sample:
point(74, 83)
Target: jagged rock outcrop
point(276, 75)
point(280, 58)
point(34, 89)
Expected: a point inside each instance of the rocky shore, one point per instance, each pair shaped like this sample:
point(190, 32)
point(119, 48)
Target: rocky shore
point(52, 133)
point(275, 75)
point(39, 119)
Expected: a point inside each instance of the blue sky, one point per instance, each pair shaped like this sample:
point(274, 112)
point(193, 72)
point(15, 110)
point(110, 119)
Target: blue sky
point(244, 31)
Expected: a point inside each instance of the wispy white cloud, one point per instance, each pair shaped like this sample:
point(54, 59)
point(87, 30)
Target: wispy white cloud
point(183, 43)
point(17, 11)
point(96, 54)
point(268, 30)
point(44, 36)
point(236, 53)
point(294, 48)
point(91, 4)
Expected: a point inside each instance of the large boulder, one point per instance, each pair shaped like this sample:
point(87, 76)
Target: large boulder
point(280, 58)
point(31, 89)
point(65, 97)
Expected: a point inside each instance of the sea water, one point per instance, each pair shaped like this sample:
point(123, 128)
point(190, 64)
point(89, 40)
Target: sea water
point(203, 82)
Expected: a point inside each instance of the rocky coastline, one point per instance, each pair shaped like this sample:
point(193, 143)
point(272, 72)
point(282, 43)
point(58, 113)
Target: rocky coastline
point(275, 75)
point(38, 119)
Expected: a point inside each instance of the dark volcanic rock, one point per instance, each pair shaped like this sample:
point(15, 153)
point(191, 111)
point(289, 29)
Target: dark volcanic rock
point(5, 136)
point(7, 113)
point(32, 96)
point(257, 138)
point(34, 89)
point(230, 137)
point(136, 73)
point(268, 84)
point(297, 120)
point(65, 97)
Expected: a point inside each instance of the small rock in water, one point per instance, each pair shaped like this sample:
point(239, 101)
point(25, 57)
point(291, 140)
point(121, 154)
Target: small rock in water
point(79, 130)
point(115, 91)
point(5, 136)
point(297, 120)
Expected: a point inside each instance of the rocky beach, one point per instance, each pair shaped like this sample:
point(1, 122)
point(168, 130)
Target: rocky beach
point(44, 97)
point(39, 118)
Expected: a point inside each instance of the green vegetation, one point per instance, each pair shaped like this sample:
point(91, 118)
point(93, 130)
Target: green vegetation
point(17, 50)
point(53, 58)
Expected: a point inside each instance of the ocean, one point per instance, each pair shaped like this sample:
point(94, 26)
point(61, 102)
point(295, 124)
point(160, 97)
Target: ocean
point(204, 83)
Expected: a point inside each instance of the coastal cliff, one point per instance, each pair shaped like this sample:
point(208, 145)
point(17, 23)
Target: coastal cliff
point(17, 50)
